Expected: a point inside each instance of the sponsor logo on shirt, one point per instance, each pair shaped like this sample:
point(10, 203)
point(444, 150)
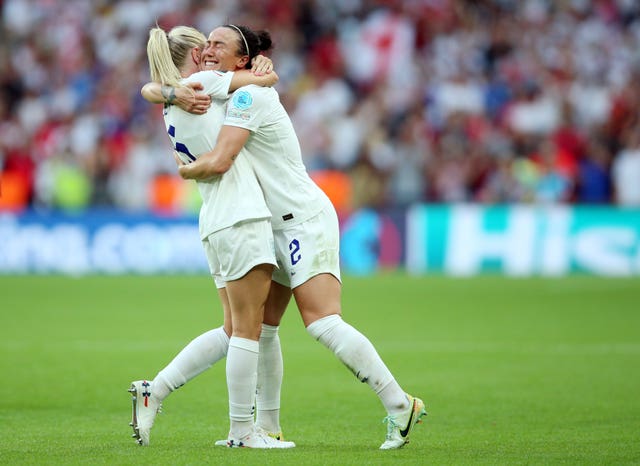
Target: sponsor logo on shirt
point(235, 113)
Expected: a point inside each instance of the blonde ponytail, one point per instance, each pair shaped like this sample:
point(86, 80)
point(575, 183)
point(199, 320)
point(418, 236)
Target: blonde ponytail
point(167, 53)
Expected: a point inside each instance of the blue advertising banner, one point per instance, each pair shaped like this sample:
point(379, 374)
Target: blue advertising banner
point(99, 242)
point(460, 240)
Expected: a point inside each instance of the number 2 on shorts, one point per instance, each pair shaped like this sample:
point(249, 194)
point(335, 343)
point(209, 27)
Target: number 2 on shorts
point(294, 248)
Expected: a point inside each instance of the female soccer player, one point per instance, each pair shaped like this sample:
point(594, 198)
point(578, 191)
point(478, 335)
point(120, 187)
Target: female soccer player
point(233, 213)
point(305, 227)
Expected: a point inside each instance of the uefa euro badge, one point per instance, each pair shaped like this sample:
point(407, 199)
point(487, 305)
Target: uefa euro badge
point(242, 100)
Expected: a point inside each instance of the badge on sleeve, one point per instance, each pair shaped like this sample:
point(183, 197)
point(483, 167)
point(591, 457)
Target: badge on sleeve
point(242, 100)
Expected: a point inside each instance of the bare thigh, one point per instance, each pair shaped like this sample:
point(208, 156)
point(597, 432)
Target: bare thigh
point(226, 310)
point(318, 297)
point(247, 298)
point(277, 302)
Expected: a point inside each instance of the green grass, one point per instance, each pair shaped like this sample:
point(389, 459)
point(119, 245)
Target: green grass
point(513, 371)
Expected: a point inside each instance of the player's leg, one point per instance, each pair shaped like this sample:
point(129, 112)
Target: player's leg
point(317, 291)
point(247, 297)
point(357, 353)
point(270, 365)
point(199, 355)
point(318, 297)
point(247, 272)
point(277, 302)
point(319, 302)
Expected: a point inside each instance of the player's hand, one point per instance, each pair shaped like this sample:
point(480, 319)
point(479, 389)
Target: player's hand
point(271, 78)
point(190, 99)
point(261, 65)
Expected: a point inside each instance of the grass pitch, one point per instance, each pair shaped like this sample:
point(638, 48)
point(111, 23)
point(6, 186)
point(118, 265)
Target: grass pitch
point(513, 371)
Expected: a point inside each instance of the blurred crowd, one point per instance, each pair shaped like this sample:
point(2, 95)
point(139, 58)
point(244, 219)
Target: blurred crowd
point(394, 101)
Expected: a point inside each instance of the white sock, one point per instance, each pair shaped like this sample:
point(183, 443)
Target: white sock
point(199, 355)
point(270, 370)
point(242, 374)
point(358, 354)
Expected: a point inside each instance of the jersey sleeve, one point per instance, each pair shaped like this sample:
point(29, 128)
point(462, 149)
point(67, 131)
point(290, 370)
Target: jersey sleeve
point(247, 108)
point(214, 83)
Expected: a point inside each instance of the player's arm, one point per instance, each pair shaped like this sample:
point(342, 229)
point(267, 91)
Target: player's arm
point(231, 140)
point(188, 97)
point(243, 78)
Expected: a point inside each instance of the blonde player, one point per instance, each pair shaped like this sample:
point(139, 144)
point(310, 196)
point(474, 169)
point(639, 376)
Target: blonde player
point(305, 228)
point(236, 234)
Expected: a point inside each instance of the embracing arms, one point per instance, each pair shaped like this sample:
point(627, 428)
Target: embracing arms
point(230, 141)
point(189, 99)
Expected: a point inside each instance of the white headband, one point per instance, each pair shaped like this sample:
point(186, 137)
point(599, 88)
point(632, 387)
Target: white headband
point(243, 38)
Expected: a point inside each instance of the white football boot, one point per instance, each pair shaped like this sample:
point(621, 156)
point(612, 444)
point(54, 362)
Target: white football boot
point(400, 426)
point(257, 438)
point(275, 435)
point(144, 409)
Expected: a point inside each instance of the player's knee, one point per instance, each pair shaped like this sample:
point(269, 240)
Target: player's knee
point(309, 316)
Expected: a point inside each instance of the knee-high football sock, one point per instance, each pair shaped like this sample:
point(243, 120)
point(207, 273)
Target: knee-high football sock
point(242, 374)
point(270, 370)
point(358, 354)
point(199, 355)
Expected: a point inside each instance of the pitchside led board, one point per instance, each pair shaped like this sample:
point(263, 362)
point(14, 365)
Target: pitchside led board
point(516, 240)
point(461, 240)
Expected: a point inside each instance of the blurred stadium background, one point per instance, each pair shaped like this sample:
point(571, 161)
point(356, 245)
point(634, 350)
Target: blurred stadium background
point(482, 138)
point(453, 136)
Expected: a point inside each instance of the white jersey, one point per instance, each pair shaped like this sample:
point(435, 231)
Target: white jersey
point(229, 198)
point(274, 150)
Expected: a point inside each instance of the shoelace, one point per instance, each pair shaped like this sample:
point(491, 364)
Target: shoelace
point(391, 426)
point(273, 435)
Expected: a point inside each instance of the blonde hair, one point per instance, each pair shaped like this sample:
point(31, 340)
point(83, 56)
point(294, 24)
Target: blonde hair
point(167, 53)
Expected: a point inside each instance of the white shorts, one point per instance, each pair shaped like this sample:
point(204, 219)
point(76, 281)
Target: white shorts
point(308, 249)
point(234, 251)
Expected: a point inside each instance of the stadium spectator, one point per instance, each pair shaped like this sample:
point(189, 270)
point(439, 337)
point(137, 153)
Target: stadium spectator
point(626, 170)
point(593, 184)
point(351, 73)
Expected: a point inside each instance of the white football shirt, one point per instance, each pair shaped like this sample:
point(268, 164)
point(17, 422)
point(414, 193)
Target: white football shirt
point(229, 198)
point(274, 150)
